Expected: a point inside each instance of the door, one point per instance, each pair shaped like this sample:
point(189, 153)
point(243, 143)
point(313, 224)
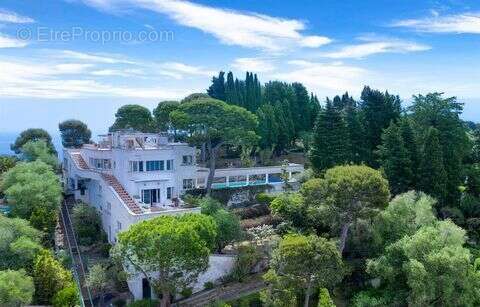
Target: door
point(147, 291)
point(151, 196)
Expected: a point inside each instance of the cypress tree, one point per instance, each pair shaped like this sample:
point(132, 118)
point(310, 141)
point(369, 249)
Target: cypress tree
point(217, 89)
point(230, 92)
point(411, 144)
point(249, 92)
point(315, 108)
point(300, 108)
point(356, 135)
point(330, 145)
point(395, 159)
point(268, 126)
point(257, 93)
point(378, 110)
point(240, 92)
point(433, 178)
point(338, 103)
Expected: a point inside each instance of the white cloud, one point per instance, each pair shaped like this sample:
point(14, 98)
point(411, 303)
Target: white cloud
point(11, 17)
point(325, 78)
point(253, 64)
point(179, 70)
point(117, 72)
point(71, 68)
point(373, 46)
point(92, 57)
point(231, 27)
point(52, 80)
point(9, 42)
point(468, 22)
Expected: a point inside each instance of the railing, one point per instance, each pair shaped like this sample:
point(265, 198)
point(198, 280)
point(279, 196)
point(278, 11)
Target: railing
point(76, 264)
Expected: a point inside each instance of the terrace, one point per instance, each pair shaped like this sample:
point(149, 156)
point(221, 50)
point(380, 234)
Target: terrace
point(254, 176)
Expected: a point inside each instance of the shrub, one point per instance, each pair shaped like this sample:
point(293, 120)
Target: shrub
point(324, 299)
point(87, 224)
point(259, 221)
point(253, 211)
point(49, 277)
point(208, 285)
point(187, 292)
point(209, 205)
point(105, 249)
point(67, 297)
point(144, 303)
point(248, 257)
point(119, 302)
point(264, 198)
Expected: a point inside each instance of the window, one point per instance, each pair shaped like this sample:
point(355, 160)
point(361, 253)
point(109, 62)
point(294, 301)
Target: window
point(169, 165)
point(169, 192)
point(100, 163)
point(109, 207)
point(158, 165)
point(188, 184)
point(136, 166)
point(187, 160)
point(219, 179)
point(119, 226)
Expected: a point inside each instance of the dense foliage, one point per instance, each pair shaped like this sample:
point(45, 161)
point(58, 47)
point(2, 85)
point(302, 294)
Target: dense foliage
point(176, 247)
point(49, 277)
point(34, 193)
point(16, 288)
point(19, 244)
point(302, 264)
point(74, 133)
point(87, 224)
point(33, 134)
point(214, 123)
point(133, 116)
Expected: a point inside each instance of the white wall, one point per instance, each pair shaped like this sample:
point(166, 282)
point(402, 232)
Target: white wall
point(218, 267)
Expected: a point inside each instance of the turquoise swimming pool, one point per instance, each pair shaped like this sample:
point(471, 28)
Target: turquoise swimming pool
point(224, 185)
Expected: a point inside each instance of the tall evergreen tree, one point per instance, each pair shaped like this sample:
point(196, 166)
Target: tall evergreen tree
point(300, 109)
point(315, 108)
point(285, 126)
point(356, 135)
point(433, 177)
point(330, 146)
point(395, 159)
point(378, 110)
point(432, 110)
point(240, 92)
point(217, 89)
point(268, 126)
point(249, 92)
point(257, 92)
point(412, 147)
point(230, 91)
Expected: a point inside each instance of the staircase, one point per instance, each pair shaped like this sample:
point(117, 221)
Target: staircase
point(223, 293)
point(77, 157)
point(126, 198)
point(78, 268)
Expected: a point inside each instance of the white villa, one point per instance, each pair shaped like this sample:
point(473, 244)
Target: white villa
point(130, 176)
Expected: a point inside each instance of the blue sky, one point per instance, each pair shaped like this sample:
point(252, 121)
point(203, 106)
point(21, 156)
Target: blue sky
point(85, 58)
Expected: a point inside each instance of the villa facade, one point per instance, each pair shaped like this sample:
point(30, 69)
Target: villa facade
point(130, 176)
